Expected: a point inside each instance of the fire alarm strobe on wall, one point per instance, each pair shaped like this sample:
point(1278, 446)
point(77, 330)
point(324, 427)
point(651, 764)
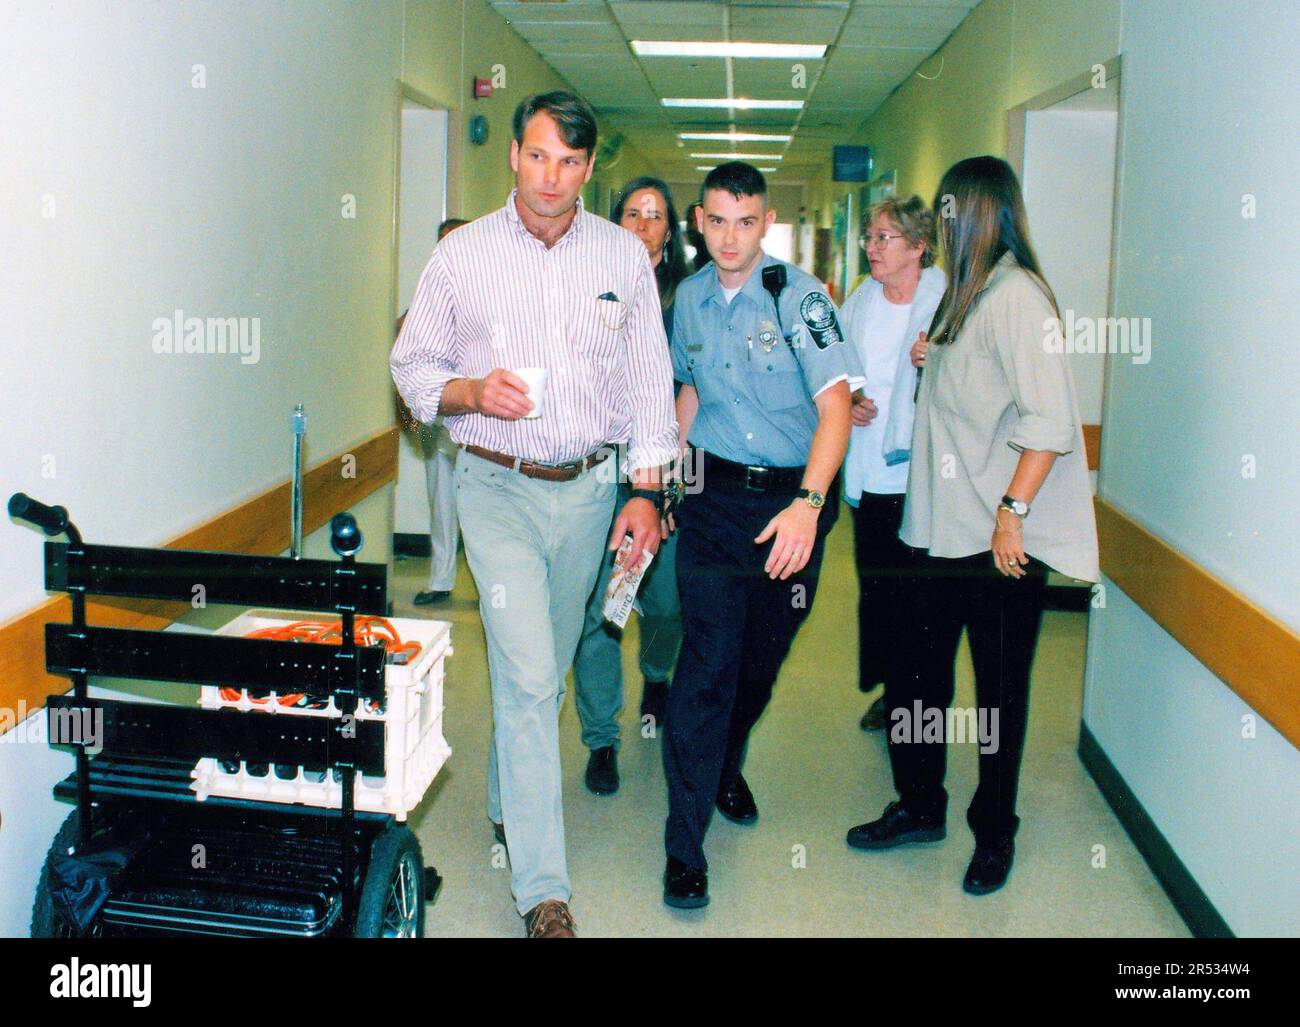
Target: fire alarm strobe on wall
point(482, 88)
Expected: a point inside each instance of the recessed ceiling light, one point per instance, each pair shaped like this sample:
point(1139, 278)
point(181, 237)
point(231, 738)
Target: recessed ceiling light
point(705, 48)
point(737, 156)
point(739, 103)
point(736, 137)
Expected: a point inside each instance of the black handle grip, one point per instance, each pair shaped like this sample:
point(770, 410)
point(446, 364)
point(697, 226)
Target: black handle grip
point(345, 538)
point(53, 520)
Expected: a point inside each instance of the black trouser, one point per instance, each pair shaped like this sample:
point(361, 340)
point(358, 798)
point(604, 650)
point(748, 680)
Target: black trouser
point(737, 626)
point(884, 564)
point(1002, 617)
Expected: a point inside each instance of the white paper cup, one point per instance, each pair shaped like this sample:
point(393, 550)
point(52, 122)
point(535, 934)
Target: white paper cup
point(536, 377)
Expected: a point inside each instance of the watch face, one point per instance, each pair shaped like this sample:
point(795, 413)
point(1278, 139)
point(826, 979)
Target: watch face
point(816, 499)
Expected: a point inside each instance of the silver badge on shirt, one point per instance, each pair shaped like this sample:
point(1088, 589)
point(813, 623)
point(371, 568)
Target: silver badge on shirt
point(768, 335)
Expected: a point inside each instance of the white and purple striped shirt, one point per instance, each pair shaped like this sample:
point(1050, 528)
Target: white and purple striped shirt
point(492, 295)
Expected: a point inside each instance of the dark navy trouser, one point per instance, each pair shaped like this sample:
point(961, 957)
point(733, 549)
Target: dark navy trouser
point(737, 626)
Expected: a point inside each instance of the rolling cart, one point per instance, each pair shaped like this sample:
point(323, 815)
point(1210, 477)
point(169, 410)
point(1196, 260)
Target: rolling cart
point(277, 806)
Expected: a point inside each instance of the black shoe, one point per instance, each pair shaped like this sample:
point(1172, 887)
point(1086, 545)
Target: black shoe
point(654, 696)
point(989, 868)
point(684, 886)
point(499, 831)
point(425, 598)
point(736, 801)
point(874, 718)
point(896, 826)
point(602, 770)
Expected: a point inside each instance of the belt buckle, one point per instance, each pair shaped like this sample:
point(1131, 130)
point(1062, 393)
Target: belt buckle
point(754, 478)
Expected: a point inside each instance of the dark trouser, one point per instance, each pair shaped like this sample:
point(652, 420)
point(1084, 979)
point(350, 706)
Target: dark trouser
point(737, 626)
point(883, 565)
point(1002, 617)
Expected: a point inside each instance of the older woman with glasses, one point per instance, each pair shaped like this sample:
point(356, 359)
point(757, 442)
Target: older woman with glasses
point(883, 320)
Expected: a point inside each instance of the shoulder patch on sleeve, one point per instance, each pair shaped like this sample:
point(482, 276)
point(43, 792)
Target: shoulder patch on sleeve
point(819, 318)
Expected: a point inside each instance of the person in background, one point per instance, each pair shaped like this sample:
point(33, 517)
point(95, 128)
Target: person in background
point(998, 493)
point(882, 320)
point(541, 285)
point(439, 466)
point(765, 405)
point(694, 238)
point(645, 208)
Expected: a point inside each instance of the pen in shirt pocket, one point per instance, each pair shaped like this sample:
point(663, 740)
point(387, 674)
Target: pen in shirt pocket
point(622, 310)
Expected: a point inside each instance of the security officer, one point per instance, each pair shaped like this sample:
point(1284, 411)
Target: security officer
point(765, 409)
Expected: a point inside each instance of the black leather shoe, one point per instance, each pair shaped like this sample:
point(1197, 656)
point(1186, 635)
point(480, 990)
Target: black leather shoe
point(654, 696)
point(874, 718)
point(684, 886)
point(896, 826)
point(425, 598)
point(989, 868)
point(736, 801)
point(602, 770)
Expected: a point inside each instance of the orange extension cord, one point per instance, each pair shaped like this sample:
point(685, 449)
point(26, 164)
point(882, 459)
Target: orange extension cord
point(367, 631)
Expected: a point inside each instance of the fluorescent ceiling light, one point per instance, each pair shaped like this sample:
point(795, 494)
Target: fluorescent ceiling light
point(710, 167)
point(739, 103)
point(705, 48)
point(737, 156)
point(736, 137)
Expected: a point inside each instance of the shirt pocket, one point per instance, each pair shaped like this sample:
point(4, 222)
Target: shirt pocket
point(776, 379)
point(598, 324)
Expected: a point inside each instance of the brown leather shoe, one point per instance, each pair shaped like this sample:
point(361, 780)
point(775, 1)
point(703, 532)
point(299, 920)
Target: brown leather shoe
point(549, 919)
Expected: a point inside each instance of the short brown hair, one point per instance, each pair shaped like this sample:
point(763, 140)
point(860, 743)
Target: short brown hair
point(911, 217)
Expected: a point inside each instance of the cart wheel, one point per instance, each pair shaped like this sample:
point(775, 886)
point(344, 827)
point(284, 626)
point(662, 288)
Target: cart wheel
point(392, 896)
point(46, 920)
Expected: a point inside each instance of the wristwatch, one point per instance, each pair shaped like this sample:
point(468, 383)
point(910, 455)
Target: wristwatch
point(813, 498)
point(655, 496)
point(1018, 508)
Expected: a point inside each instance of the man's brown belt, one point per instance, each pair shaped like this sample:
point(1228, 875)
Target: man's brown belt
point(546, 472)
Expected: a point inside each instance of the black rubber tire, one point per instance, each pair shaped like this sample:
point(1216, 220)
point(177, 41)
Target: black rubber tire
point(395, 847)
point(46, 921)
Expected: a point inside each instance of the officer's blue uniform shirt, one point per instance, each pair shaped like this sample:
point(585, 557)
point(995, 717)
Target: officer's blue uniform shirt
point(756, 392)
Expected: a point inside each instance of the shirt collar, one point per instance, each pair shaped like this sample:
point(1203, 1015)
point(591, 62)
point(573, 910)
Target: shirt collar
point(753, 287)
point(512, 214)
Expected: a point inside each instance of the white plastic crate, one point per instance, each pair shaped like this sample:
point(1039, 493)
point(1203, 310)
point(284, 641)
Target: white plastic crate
point(414, 746)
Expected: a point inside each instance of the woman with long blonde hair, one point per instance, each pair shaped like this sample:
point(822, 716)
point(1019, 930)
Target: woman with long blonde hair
point(997, 436)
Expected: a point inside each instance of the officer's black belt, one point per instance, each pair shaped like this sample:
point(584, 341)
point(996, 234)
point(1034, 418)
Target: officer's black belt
point(749, 476)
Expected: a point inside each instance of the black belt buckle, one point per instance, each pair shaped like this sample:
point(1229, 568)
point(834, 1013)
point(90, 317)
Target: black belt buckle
point(758, 479)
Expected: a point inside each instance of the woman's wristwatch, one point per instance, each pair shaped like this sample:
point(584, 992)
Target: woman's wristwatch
point(1018, 508)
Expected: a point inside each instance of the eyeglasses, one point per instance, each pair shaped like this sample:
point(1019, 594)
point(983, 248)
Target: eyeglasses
point(880, 239)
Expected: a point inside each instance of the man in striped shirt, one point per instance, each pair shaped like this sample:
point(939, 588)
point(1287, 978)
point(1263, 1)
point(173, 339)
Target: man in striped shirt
point(541, 284)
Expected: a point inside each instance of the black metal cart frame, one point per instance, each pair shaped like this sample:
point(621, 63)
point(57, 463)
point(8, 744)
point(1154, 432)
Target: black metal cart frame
point(144, 751)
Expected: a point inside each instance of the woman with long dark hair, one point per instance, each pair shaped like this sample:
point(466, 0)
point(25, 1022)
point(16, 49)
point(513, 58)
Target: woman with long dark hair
point(645, 208)
point(997, 436)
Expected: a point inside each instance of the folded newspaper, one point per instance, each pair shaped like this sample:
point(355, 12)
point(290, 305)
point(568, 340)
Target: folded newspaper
point(620, 594)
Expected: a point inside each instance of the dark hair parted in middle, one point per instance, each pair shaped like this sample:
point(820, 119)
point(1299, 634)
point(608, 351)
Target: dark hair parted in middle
point(573, 116)
point(981, 218)
point(738, 178)
point(672, 265)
